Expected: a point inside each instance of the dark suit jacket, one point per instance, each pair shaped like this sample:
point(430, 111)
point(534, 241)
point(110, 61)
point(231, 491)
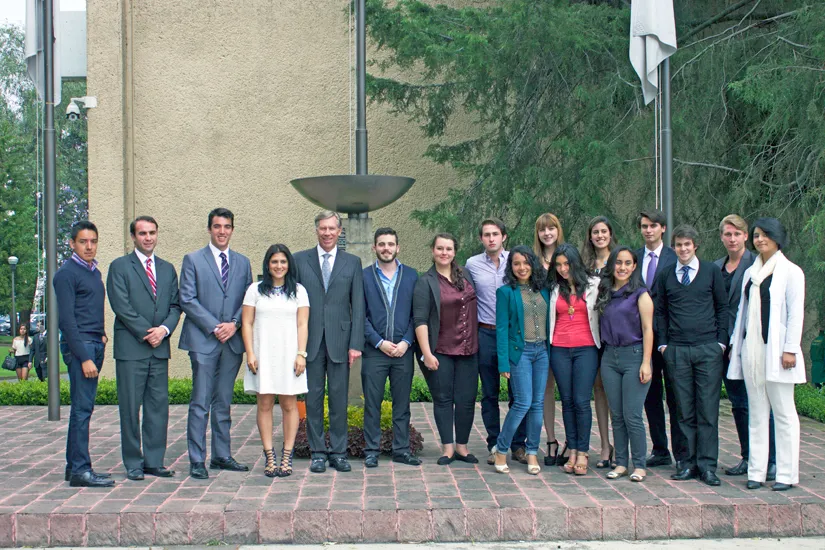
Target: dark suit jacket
point(137, 309)
point(510, 325)
point(427, 304)
point(735, 292)
point(666, 258)
point(337, 314)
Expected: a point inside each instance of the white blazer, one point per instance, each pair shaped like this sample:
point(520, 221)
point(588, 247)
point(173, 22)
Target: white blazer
point(785, 327)
point(590, 296)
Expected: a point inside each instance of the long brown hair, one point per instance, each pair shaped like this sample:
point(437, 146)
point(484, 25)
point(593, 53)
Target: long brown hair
point(456, 272)
point(588, 250)
point(546, 220)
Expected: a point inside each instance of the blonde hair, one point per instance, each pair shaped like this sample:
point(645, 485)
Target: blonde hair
point(734, 220)
point(546, 220)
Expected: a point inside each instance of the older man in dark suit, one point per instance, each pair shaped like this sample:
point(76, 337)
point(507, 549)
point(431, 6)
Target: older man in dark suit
point(213, 281)
point(143, 293)
point(654, 257)
point(334, 282)
point(733, 231)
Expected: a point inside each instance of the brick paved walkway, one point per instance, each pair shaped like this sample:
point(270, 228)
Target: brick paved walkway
point(461, 502)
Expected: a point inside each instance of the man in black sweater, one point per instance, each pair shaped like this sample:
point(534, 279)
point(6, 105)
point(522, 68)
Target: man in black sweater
point(78, 285)
point(691, 307)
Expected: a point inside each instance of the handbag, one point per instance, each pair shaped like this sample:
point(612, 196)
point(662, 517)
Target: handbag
point(10, 363)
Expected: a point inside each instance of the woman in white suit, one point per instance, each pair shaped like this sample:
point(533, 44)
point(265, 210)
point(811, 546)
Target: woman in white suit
point(766, 352)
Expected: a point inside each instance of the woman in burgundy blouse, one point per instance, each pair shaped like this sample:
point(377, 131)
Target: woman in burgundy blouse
point(446, 331)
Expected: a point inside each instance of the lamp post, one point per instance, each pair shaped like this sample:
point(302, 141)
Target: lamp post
point(13, 263)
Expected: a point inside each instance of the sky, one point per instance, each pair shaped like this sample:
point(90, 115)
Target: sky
point(14, 11)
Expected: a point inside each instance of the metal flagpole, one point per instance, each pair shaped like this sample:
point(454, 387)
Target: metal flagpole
point(667, 150)
point(50, 184)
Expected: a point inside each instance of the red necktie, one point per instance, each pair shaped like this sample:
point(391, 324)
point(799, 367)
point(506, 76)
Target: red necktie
point(151, 276)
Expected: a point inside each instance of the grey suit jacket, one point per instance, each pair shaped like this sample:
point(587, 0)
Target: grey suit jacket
point(207, 303)
point(337, 314)
point(735, 292)
point(137, 309)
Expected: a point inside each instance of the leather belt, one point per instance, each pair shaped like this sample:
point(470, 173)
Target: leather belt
point(487, 326)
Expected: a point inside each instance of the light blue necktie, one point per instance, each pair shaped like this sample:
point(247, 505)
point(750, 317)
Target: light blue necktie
point(686, 275)
point(326, 270)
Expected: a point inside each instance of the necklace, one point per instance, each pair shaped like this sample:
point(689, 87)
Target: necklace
point(277, 290)
point(570, 309)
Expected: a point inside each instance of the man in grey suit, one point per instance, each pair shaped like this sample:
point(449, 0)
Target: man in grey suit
point(143, 293)
point(733, 231)
point(334, 282)
point(213, 281)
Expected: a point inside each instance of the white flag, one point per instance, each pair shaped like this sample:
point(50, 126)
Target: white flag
point(33, 47)
point(652, 40)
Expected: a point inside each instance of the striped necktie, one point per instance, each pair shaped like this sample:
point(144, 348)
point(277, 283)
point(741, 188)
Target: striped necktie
point(224, 270)
point(151, 276)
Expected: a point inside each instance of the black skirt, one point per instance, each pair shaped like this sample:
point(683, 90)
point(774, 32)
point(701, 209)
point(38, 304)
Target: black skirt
point(22, 361)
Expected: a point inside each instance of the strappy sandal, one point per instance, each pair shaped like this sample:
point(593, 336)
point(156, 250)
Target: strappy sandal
point(570, 465)
point(285, 469)
point(616, 473)
point(500, 468)
point(580, 468)
point(551, 459)
point(637, 477)
point(606, 462)
point(560, 458)
point(270, 470)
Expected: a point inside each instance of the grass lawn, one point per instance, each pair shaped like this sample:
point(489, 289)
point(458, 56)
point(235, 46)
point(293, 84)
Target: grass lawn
point(5, 346)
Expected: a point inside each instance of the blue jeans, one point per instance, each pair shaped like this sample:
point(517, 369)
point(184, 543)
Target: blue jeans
point(82, 392)
point(490, 386)
point(575, 371)
point(527, 379)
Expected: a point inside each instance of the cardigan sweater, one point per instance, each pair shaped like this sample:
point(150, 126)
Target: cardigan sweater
point(385, 321)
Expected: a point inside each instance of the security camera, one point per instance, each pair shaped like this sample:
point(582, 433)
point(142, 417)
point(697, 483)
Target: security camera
point(73, 109)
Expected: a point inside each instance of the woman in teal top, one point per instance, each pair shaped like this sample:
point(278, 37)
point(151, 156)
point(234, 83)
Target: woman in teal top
point(521, 342)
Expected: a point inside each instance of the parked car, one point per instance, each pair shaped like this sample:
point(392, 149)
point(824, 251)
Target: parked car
point(5, 327)
point(34, 320)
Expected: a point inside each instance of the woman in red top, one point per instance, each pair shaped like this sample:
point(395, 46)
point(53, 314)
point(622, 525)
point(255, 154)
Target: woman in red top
point(574, 356)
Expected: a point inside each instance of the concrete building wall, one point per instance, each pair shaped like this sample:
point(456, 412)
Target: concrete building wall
point(213, 103)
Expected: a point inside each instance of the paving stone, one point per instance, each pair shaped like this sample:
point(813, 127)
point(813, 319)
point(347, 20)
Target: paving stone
point(752, 520)
point(786, 520)
point(275, 527)
point(585, 523)
point(651, 522)
point(103, 530)
point(137, 529)
point(415, 526)
point(718, 521)
point(66, 529)
point(517, 524)
point(32, 530)
point(380, 526)
point(448, 525)
point(618, 523)
point(6, 530)
point(685, 521)
point(552, 523)
point(346, 525)
point(240, 527)
point(310, 526)
point(813, 519)
point(172, 528)
point(485, 524)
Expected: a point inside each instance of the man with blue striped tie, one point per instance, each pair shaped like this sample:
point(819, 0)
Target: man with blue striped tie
point(213, 281)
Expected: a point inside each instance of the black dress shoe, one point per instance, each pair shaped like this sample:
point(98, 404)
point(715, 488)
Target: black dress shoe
point(89, 479)
point(135, 475)
point(318, 465)
point(68, 474)
point(771, 475)
point(160, 471)
point(753, 484)
point(227, 463)
point(684, 475)
point(341, 463)
point(710, 478)
point(198, 470)
point(407, 458)
point(658, 460)
point(371, 461)
point(782, 486)
point(738, 470)
point(468, 458)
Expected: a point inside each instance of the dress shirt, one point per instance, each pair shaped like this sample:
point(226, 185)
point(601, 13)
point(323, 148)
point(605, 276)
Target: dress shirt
point(153, 266)
point(646, 260)
point(458, 333)
point(694, 269)
point(487, 278)
point(389, 288)
point(216, 253)
point(332, 253)
point(91, 266)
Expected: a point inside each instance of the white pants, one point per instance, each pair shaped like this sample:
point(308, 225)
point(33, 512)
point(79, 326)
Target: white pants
point(779, 397)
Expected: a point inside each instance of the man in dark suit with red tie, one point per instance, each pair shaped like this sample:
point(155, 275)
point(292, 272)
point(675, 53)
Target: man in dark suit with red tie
point(143, 293)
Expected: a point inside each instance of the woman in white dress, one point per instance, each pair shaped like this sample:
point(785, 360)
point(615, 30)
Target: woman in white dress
point(274, 328)
point(766, 351)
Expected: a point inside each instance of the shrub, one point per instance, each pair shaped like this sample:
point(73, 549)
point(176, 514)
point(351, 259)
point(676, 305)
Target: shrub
point(355, 440)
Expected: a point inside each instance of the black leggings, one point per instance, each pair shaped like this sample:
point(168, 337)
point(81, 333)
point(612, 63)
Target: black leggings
point(454, 386)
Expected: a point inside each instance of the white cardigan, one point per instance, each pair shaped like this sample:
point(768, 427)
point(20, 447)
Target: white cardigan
point(787, 292)
point(590, 296)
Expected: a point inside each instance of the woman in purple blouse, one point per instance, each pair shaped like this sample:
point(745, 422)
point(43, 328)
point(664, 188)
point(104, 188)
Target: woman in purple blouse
point(626, 328)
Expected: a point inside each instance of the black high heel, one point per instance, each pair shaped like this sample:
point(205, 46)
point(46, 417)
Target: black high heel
point(551, 459)
point(270, 470)
point(561, 460)
point(608, 462)
point(285, 469)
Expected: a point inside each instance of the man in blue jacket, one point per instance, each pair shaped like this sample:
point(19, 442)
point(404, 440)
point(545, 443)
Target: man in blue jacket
point(389, 333)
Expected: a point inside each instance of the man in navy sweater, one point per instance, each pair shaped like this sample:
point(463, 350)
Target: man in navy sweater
point(78, 285)
point(389, 333)
point(691, 308)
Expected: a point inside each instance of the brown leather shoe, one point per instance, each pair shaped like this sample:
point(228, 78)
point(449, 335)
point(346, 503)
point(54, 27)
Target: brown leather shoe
point(520, 455)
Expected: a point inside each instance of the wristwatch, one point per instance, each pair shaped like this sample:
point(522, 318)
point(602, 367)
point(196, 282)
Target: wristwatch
point(237, 323)
point(303, 354)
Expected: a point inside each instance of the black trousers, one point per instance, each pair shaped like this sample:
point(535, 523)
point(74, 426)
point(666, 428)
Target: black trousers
point(655, 410)
point(143, 383)
point(696, 373)
point(454, 386)
point(376, 367)
point(322, 371)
